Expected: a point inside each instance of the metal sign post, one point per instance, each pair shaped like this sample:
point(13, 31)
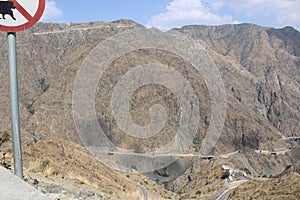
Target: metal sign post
point(20, 15)
point(14, 104)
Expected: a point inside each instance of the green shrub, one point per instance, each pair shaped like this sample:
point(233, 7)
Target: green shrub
point(5, 137)
point(107, 191)
point(43, 85)
point(225, 174)
point(30, 108)
point(45, 163)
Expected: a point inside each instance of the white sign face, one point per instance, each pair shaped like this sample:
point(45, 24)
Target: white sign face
point(18, 15)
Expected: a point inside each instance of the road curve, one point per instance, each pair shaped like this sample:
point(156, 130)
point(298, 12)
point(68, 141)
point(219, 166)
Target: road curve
point(143, 191)
point(232, 186)
point(226, 193)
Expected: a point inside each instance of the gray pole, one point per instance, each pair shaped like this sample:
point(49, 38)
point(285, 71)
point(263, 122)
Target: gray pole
point(14, 104)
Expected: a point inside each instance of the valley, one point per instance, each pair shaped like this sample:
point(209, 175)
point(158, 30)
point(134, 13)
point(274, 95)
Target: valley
point(67, 155)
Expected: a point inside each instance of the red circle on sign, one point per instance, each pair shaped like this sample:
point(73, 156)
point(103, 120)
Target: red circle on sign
point(32, 21)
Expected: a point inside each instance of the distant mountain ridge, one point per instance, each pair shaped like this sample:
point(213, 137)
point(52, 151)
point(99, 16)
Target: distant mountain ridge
point(271, 56)
point(260, 68)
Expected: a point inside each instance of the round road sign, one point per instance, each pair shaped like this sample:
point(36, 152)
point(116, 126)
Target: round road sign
point(19, 15)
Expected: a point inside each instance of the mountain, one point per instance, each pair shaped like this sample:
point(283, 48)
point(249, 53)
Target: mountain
point(271, 59)
point(260, 69)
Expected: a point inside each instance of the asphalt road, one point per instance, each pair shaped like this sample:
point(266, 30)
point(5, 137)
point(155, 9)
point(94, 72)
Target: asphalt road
point(232, 186)
point(143, 191)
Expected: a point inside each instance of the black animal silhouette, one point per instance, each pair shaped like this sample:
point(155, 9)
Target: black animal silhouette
point(6, 8)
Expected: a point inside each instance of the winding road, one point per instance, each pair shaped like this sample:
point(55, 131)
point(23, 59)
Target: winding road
point(81, 29)
point(143, 191)
point(155, 155)
point(291, 138)
point(231, 187)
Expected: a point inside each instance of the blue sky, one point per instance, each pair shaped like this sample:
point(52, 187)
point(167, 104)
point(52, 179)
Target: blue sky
point(166, 14)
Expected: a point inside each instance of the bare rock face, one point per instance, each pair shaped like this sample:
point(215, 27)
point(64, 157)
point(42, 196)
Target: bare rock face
point(268, 65)
point(260, 68)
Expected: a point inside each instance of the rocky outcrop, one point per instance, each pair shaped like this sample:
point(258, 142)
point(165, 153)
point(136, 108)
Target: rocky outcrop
point(268, 58)
point(260, 68)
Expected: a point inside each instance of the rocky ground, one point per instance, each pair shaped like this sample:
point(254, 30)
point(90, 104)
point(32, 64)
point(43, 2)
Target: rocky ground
point(260, 70)
point(285, 187)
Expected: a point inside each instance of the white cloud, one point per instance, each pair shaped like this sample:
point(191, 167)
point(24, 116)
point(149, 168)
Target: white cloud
point(281, 12)
point(217, 5)
point(51, 11)
point(185, 12)
point(276, 13)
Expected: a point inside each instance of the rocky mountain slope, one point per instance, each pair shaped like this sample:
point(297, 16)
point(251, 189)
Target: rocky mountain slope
point(270, 57)
point(260, 68)
point(286, 187)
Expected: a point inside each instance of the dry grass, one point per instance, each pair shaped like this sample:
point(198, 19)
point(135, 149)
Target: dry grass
point(42, 166)
point(50, 171)
point(76, 166)
point(286, 187)
point(33, 166)
point(81, 179)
